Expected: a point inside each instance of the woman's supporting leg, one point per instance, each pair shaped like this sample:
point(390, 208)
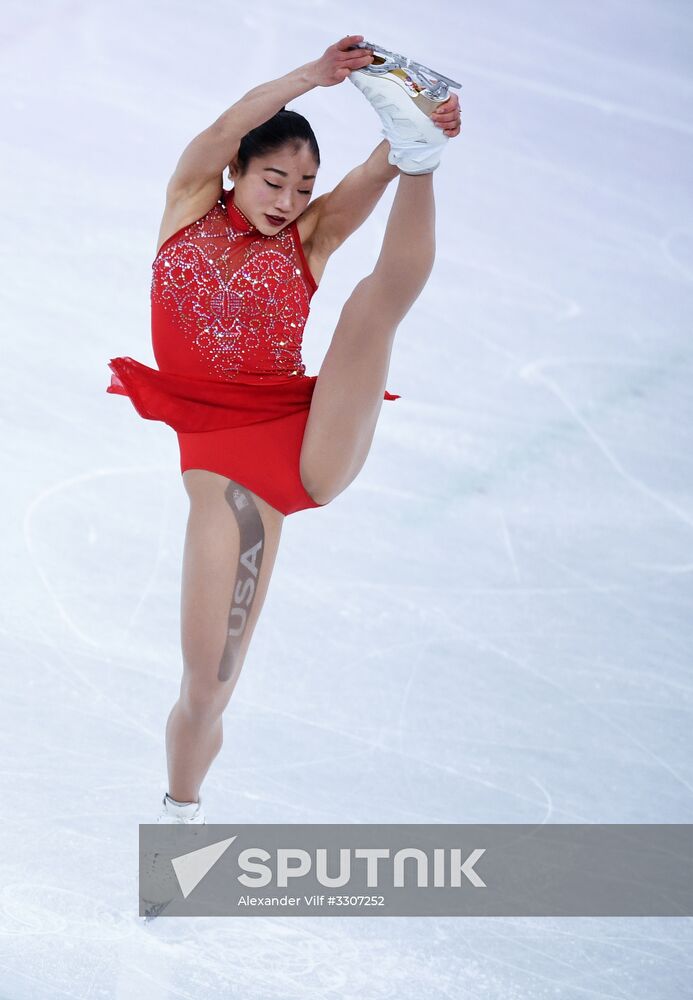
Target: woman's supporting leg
point(231, 542)
point(349, 391)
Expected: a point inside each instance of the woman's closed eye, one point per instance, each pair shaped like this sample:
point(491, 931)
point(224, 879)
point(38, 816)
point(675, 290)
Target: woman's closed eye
point(277, 186)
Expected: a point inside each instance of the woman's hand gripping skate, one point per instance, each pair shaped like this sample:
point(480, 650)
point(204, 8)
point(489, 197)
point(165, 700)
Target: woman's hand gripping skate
point(448, 116)
point(337, 62)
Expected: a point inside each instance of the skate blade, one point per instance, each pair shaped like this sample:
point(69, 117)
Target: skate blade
point(153, 910)
point(435, 81)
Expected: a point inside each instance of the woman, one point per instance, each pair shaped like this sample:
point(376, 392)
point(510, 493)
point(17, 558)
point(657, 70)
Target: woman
point(232, 280)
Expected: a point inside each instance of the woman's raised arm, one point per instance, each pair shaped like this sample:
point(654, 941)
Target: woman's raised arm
point(208, 154)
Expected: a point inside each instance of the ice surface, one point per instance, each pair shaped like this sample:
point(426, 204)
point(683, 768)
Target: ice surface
point(492, 624)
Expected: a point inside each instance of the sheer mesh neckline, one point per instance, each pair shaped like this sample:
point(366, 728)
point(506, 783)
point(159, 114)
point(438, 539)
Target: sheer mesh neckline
point(237, 218)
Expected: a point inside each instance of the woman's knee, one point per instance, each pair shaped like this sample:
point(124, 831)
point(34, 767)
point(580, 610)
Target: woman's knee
point(204, 699)
point(325, 473)
point(323, 492)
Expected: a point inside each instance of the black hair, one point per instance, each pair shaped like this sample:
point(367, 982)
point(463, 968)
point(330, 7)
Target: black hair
point(284, 127)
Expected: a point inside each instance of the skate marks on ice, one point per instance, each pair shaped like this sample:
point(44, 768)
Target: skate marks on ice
point(677, 247)
point(635, 377)
point(535, 371)
point(48, 526)
point(606, 105)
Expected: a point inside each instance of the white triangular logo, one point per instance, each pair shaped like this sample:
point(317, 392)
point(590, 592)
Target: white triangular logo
point(191, 868)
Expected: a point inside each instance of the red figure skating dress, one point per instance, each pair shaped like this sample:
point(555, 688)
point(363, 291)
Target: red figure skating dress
point(229, 305)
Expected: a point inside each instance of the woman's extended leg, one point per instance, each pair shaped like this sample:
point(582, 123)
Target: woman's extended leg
point(231, 543)
point(351, 382)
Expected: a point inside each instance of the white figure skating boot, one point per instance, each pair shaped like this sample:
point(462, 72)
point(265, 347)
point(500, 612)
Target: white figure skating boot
point(405, 94)
point(180, 812)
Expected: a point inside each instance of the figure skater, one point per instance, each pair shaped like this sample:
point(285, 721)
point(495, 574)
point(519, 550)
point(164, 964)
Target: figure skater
point(232, 280)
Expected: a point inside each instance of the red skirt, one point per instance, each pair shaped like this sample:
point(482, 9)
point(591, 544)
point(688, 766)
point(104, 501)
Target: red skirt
point(249, 430)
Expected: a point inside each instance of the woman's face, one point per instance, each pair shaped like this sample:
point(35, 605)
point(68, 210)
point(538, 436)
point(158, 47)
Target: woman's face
point(279, 184)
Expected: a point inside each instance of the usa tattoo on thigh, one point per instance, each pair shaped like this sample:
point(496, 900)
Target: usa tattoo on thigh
point(252, 540)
